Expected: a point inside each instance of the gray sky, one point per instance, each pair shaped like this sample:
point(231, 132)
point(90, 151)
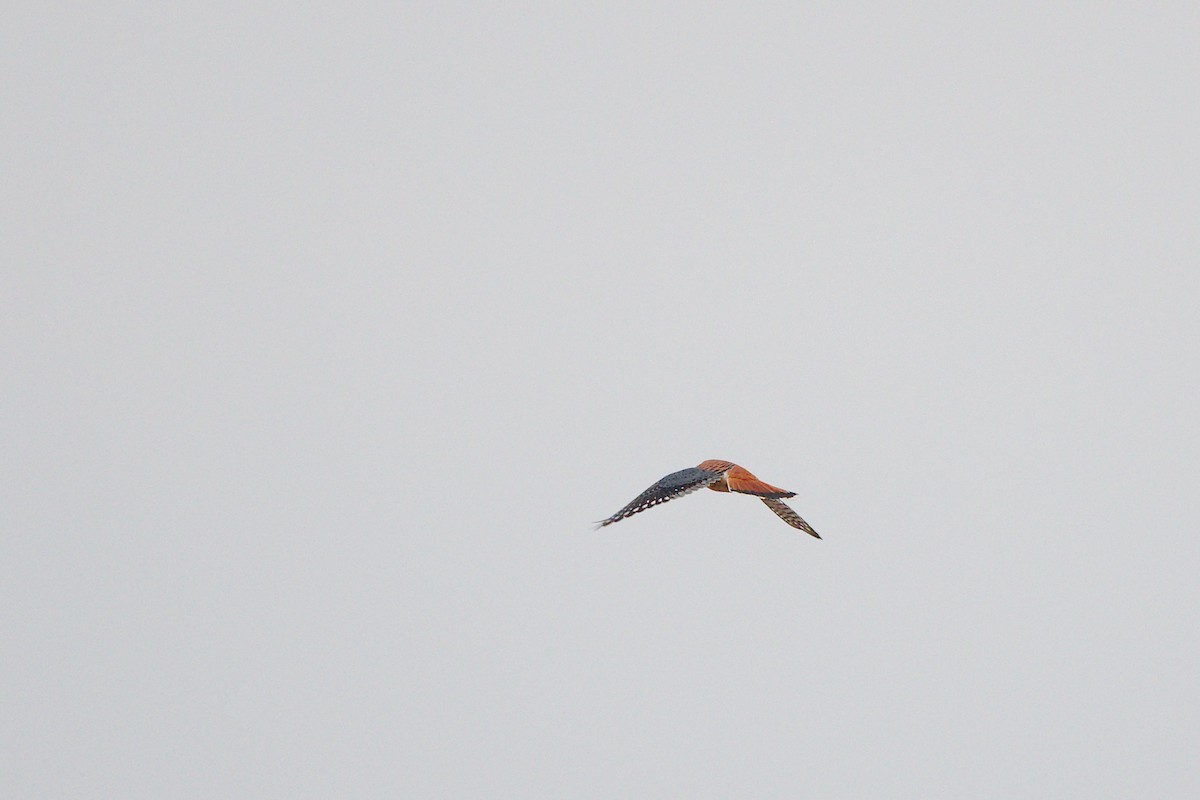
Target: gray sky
point(327, 332)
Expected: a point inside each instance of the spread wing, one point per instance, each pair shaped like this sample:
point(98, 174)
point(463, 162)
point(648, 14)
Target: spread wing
point(785, 513)
point(677, 484)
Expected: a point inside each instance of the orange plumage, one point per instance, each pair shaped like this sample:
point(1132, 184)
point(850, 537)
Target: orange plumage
point(720, 476)
point(741, 480)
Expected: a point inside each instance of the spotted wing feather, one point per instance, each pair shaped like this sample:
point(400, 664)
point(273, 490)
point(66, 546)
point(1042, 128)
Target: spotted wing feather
point(677, 484)
point(785, 513)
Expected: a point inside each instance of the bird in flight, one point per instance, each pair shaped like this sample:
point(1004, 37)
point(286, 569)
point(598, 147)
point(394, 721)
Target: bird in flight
point(720, 476)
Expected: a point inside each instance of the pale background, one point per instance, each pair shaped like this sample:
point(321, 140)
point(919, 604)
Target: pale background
point(329, 329)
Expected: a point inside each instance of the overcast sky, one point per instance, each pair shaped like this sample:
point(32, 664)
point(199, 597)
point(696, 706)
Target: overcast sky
point(328, 331)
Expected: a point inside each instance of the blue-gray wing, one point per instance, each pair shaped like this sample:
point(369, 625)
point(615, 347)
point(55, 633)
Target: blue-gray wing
point(677, 484)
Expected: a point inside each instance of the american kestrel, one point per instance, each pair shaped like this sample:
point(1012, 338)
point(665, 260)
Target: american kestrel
point(720, 476)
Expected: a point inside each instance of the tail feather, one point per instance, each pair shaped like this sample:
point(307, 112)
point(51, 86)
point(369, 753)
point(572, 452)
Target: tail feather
point(742, 481)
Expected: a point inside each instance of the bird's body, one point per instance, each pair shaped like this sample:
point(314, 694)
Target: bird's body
point(720, 476)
